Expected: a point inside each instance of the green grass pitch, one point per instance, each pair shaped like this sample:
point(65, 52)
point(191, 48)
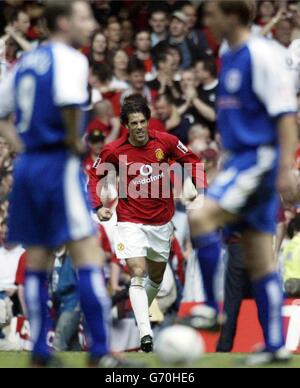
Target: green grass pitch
point(78, 360)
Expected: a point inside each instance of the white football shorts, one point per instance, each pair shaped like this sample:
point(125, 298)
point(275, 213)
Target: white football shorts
point(137, 240)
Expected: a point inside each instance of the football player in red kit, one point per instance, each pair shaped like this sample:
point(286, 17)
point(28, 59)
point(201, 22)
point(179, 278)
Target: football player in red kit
point(146, 203)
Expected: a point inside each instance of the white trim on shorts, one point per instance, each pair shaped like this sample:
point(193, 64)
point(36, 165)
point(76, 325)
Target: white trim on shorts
point(78, 217)
point(236, 197)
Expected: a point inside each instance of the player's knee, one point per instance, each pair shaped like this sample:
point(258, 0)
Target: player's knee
point(138, 281)
point(139, 272)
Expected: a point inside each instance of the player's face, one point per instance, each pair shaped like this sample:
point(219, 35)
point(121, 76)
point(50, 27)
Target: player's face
point(82, 24)
point(216, 20)
point(138, 128)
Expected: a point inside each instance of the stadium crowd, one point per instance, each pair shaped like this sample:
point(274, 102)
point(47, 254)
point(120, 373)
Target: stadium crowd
point(162, 51)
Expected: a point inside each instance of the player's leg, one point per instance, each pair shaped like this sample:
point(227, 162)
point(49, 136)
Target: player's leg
point(206, 239)
point(88, 258)
point(158, 253)
point(267, 287)
point(36, 294)
point(156, 271)
point(138, 295)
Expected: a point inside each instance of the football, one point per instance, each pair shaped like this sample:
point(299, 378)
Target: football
point(179, 345)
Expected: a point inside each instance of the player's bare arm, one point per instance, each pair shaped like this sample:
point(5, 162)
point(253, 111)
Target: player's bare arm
point(287, 184)
point(72, 118)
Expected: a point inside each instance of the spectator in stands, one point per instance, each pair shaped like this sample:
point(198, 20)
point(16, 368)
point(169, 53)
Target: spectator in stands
point(177, 60)
point(95, 139)
point(207, 81)
point(104, 121)
point(127, 43)
point(265, 12)
point(165, 83)
point(9, 261)
point(120, 61)
point(143, 52)
point(291, 260)
point(196, 35)
point(178, 36)
point(295, 11)
point(99, 52)
point(191, 106)
point(283, 32)
point(66, 303)
point(136, 72)
point(168, 113)
point(113, 34)
point(101, 78)
point(159, 22)
point(19, 23)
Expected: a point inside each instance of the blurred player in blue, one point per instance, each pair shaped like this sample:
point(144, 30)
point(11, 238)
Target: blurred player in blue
point(256, 118)
point(48, 204)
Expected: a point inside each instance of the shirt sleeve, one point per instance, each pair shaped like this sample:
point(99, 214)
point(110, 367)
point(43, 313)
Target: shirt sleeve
point(186, 158)
point(20, 275)
point(71, 72)
point(7, 105)
point(100, 169)
point(273, 82)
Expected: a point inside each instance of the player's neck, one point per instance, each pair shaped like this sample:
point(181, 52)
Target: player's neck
point(238, 36)
point(138, 144)
point(60, 38)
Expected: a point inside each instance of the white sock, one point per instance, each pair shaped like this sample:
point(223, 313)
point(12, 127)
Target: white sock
point(152, 290)
point(139, 302)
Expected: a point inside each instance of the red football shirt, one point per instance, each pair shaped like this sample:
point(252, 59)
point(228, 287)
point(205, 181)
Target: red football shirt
point(140, 169)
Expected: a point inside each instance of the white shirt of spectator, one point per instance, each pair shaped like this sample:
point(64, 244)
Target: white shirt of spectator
point(9, 261)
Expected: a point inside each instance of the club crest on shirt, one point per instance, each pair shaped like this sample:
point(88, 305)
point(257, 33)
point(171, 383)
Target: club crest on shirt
point(121, 247)
point(233, 80)
point(160, 155)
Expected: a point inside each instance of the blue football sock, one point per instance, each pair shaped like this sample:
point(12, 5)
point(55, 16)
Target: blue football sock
point(209, 252)
point(269, 299)
point(36, 295)
point(96, 307)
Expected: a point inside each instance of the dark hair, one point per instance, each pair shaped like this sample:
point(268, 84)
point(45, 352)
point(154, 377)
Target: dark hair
point(102, 71)
point(55, 9)
point(135, 64)
point(176, 48)
point(293, 226)
point(134, 104)
point(161, 58)
point(244, 9)
point(209, 65)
